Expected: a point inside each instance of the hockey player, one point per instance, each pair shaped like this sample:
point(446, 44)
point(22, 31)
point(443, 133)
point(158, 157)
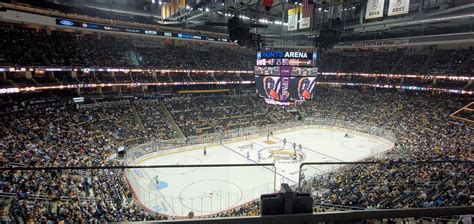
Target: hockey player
point(204, 152)
point(157, 181)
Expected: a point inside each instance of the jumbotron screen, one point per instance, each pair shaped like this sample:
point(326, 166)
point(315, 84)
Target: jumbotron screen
point(283, 77)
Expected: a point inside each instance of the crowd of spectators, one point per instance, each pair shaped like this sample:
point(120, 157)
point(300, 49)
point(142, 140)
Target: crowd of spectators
point(214, 114)
point(194, 56)
point(425, 61)
point(412, 61)
point(448, 61)
point(35, 47)
point(149, 111)
point(383, 61)
point(115, 119)
point(32, 47)
point(353, 61)
point(54, 135)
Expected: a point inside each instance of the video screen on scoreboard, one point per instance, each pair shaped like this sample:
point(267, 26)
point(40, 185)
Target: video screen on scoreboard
point(295, 71)
point(301, 71)
point(262, 70)
point(281, 88)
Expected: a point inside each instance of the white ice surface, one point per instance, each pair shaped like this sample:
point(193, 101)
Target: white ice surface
point(207, 190)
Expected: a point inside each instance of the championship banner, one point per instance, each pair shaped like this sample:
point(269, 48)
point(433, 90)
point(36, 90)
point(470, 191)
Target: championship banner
point(374, 9)
point(293, 19)
point(305, 22)
point(306, 13)
point(398, 7)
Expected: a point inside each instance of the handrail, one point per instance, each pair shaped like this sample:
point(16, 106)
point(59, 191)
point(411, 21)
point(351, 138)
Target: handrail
point(132, 167)
point(345, 207)
point(338, 216)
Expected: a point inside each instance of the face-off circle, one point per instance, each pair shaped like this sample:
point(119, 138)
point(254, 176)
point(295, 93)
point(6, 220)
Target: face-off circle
point(213, 195)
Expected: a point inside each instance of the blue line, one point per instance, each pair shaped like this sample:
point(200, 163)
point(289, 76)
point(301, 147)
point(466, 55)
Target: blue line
point(258, 144)
point(257, 163)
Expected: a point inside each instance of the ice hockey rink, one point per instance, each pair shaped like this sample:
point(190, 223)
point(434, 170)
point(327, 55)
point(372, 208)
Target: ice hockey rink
point(209, 190)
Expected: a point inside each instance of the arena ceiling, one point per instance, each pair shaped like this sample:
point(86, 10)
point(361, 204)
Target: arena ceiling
point(426, 17)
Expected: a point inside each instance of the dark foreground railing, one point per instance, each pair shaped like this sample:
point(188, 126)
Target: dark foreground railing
point(122, 167)
point(340, 216)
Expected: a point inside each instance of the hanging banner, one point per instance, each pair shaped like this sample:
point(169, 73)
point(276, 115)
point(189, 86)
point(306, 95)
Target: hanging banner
point(305, 22)
point(293, 19)
point(306, 13)
point(398, 7)
point(380, 43)
point(374, 9)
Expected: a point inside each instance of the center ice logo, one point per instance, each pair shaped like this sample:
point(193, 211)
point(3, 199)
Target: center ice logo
point(211, 194)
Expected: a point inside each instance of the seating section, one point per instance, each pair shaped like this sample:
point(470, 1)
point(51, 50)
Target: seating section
point(149, 111)
point(34, 47)
point(408, 185)
point(206, 115)
point(448, 61)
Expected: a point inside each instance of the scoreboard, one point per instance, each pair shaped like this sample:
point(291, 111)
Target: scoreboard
point(284, 77)
point(298, 59)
